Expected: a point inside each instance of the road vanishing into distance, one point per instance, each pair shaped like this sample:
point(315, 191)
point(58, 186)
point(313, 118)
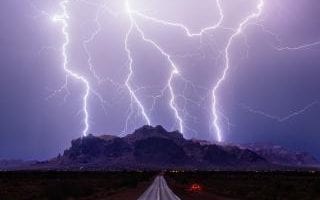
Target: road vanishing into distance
point(159, 190)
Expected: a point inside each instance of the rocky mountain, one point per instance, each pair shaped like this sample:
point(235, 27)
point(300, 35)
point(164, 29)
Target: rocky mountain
point(279, 155)
point(155, 148)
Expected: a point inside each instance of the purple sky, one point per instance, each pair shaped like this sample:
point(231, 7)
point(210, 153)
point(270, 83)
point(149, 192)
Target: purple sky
point(269, 95)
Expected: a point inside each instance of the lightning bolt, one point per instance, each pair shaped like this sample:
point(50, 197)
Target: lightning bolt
point(300, 47)
point(127, 83)
point(63, 19)
point(281, 47)
point(85, 45)
point(101, 10)
point(175, 71)
point(182, 26)
point(217, 116)
point(89, 40)
point(281, 119)
point(227, 66)
point(238, 31)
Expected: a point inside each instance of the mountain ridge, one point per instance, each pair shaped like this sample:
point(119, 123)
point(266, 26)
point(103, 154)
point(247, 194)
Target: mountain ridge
point(154, 148)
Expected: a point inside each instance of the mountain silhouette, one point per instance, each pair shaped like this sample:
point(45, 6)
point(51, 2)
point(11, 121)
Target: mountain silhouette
point(154, 148)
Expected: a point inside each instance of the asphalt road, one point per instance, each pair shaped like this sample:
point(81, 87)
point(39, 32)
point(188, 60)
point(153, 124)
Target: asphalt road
point(159, 190)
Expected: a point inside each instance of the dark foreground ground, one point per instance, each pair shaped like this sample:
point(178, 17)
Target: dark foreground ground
point(130, 185)
point(245, 185)
point(74, 185)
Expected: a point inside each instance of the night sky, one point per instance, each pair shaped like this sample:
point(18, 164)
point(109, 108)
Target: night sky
point(271, 93)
